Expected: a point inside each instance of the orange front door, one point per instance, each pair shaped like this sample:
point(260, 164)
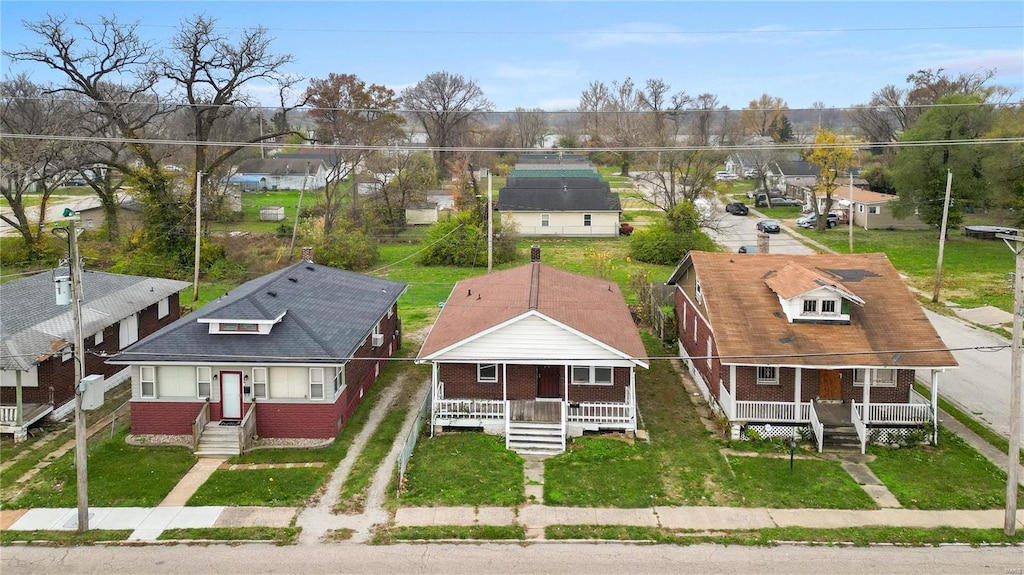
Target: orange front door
point(830, 386)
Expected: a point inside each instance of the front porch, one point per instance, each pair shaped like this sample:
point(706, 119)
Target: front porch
point(17, 424)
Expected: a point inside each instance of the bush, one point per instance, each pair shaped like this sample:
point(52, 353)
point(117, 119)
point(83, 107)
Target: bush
point(346, 249)
point(666, 243)
point(462, 241)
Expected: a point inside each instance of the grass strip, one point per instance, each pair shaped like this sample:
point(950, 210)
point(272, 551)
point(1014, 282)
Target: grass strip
point(990, 437)
point(353, 493)
point(458, 532)
point(815, 483)
point(260, 487)
point(29, 460)
point(64, 538)
point(280, 535)
point(343, 534)
point(859, 536)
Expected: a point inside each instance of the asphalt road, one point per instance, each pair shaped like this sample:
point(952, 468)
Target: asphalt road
point(472, 559)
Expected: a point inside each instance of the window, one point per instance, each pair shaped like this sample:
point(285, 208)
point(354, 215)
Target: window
point(147, 381)
point(698, 292)
point(810, 306)
point(695, 327)
point(243, 327)
point(487, 372)
point(873, 209)
point(592, 375)
point(545, 220)
point(860, 208)
point(828, 306)
point(203, 382)
point(316, 383)
point(163, 308)
point(879, 377)
point(586, 219)
point(709, 353)
point(98, 338)
point(67, 354)
point(259, 383)
point(767, 375)
point(128, 331)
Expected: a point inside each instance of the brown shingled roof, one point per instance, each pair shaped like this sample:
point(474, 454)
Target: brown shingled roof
point(592, 306)
point(794, 280)
point(749, 323)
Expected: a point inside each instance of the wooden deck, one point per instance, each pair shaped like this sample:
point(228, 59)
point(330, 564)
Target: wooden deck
point(535, 411)
point(833, 414)
point(30, 414)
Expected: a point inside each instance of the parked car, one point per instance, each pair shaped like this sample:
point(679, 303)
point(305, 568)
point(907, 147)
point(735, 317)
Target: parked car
point(778, 200)
point(748, 250)
point(725, 176)
point(737, 208)
point(768, 226)
point(811, 221)
point(749, 173)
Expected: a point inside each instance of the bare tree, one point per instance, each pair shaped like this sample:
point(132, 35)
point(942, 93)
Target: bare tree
point(404, 177)
point(526, 128)
point(445, 105)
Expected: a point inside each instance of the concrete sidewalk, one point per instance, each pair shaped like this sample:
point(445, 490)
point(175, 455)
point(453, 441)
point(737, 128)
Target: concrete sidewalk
point(148, 522)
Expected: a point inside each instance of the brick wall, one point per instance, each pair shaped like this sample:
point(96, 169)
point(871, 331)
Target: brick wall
point(164, 417)
point(307, 420)
point(698, 347)
point(749, 390)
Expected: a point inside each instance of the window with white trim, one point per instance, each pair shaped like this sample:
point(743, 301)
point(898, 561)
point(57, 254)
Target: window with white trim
point(860, 208)
point(828, 306)
point(204, 382)
point(98, 338)
point(874, 210)
point(879, 377)
point(316, 383)
point(592, 375)
point(811, 306)
point(259, 383)
point(67, 354)
point(767, 375)
point(545, 220)
point(147, 381)
point(710, 363)
point(128, 331)
point(487, 372)
point(586, 219)
point(163, 308)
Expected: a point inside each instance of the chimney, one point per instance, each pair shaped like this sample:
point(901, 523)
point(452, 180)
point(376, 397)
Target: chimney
point(534, 253)
point(307, 254)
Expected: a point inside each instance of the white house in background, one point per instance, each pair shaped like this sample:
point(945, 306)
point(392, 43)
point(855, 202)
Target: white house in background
point(871, 210)
point(566, 207)
point(280, 174)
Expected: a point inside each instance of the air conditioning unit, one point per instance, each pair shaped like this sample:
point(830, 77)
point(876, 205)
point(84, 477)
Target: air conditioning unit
point(377, 340)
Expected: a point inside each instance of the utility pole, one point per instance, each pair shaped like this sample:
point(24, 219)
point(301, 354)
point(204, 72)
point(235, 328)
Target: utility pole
point(942, 235)
point(851, 202)
point(295, 226)
point(1016, 244)
point(199, 215)
point(490, 225)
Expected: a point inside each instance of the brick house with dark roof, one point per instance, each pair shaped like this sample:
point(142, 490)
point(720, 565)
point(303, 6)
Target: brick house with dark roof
point(824, 343)
point(534, 353)
point(289, 354)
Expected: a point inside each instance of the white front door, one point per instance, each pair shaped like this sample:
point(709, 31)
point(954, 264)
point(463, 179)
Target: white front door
point(231, 395)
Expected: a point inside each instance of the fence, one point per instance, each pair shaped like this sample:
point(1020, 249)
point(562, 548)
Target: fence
point(410, 442)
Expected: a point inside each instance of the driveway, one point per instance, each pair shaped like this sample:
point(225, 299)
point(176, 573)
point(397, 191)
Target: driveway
point(54, 210)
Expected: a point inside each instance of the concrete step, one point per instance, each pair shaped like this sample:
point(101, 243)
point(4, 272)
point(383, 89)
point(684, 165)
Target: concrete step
point(216, 452)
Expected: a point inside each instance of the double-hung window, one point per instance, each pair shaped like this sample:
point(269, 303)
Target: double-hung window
point(487, 372)
point(259, 383)
point(545, 220)
point(316, 383)
point(879, 377)
point(592, 375)
point(587, 219)
point(203, 382)
point(147, 381)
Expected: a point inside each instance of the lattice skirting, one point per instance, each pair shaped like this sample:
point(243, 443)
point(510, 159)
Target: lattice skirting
point(901, 435)
point(775, 432)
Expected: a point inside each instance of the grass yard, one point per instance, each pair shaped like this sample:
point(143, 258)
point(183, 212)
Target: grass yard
point(780, 213)
point(64, 538)
point(973, 271)
point(949, 476)
point(467, 468)
point(817, 484)
point(263, 487)
point(120, 475)
point(279, 535)
point(598, 472)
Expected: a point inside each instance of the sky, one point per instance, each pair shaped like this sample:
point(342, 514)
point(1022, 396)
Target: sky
point(536, 54)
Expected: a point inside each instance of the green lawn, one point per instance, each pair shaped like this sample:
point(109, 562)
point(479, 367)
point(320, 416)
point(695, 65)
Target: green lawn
point(264, 487)
point(815, 483)
point(120, 475)
point(467, 468)
point(973, 271)
point(949, 476)
point(599, 472)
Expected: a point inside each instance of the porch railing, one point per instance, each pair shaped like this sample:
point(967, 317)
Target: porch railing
point(600, 412)
point(9, 414)
point(199, 424)
point(469, 409)
point(816, 426)
point(899, 413)
point(247, 431)
point(857, 417)
point(724, 399)
point(771, 411)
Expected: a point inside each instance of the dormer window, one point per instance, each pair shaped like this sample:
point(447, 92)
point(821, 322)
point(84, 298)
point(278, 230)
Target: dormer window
point(810, 306)
point(239, 326)
point(828, 306)
point(244, 327)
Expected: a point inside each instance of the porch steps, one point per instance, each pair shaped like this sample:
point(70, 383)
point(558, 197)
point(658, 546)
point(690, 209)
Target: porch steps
point(841, 438)
point(218, 441)
point(535, 438)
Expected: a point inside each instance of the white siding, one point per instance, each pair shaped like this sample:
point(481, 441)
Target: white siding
point(29, 378)
point(289, 382)
point(533, 339)
point(603, 224)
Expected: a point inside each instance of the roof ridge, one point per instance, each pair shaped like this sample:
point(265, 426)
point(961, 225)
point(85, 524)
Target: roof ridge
point(534, 285)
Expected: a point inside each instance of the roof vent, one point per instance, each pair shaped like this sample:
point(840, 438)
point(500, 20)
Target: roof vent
point(293, 280)
point(272, 293)
point(311, 268)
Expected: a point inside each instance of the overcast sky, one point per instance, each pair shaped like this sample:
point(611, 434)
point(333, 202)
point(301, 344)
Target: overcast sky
point(544, 54)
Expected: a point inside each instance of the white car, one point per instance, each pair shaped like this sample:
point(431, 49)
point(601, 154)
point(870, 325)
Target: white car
point(725, 176)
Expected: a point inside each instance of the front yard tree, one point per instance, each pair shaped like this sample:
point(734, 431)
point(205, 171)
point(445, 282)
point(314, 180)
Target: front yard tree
point(348, 112)
point(834, 156)
point(445, 105)
point(919, 171)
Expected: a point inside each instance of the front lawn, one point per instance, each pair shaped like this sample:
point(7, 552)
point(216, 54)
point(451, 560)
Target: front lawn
point(815, 483)
point(598, 472)
point(262, 487)
point(466, 468)
point(120, 475)
point(950, 476)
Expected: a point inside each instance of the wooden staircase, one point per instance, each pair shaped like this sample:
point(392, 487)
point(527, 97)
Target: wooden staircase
point(840, 438)
point(535, 438)
point(219, 440)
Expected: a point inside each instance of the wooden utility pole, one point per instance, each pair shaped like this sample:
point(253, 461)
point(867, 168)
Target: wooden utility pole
point(199, 214)
point(298, 208)
point(490, 225)
point(81, 472)
point(1016, 244)
point(942, 235)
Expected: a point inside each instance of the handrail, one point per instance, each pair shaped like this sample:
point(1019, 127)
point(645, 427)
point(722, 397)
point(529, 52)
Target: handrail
point(200, 423)
point(817, 427)
point(858, 423)
point(247, 431)
point(724, 399)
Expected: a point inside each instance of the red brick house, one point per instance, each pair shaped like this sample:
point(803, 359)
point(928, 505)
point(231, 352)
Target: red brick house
point(289, 354)
point(534, 353)
point(37, 371)
point(824, 343)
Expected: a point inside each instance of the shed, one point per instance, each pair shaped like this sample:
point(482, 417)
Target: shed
point(271, 213)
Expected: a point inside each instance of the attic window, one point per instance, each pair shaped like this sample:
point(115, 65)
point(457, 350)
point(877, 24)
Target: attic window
point(240, 327)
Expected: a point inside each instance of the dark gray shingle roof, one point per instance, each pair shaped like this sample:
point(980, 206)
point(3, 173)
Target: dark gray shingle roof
point(327, 314)
point(554, 194)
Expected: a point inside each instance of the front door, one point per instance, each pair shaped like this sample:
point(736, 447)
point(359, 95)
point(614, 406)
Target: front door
point(230, 395)
point(547, 381)
point(830, 386)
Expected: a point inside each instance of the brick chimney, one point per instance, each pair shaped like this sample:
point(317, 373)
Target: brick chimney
point(307, 254)
point(534, 253)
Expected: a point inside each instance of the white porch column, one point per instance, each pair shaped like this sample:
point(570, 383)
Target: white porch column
point(867, 394)
point(433, 393)
point(935, 407)
point(797, 392)
point(732, 391)
point(565, 397)
point(504, 382)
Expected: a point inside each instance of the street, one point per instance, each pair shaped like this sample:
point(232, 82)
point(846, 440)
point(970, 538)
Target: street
point(473, 559)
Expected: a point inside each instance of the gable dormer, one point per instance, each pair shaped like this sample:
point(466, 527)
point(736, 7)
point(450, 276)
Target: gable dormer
point(807, 296)
point(241, 326)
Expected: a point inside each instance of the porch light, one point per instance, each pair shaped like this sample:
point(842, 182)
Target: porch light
point(215, 377)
